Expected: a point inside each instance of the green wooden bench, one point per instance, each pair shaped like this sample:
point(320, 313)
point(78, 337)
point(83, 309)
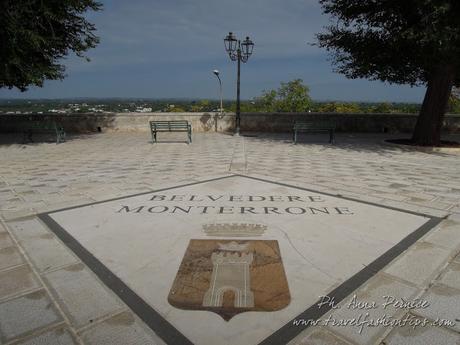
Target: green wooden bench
point(170, 126)
point(31, 127)
point(312, 126)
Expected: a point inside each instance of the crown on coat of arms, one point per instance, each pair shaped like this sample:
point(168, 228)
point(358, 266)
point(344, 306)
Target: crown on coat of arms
point(234, 229)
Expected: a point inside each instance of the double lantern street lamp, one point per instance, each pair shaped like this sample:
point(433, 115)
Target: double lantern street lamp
point(238, 51)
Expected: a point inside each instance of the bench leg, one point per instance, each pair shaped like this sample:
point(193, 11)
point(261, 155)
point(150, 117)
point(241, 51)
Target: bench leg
point(295, 137)
point(154, 137)
point(189, 137)
point(62, 137)
point(332, 136)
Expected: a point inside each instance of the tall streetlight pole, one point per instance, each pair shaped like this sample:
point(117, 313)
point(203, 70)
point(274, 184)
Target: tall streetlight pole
point(238, 51)
point(216, 72)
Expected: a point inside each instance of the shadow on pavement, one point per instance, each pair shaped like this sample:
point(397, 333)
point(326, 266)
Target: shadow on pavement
point(348, 142)
point(9, 139)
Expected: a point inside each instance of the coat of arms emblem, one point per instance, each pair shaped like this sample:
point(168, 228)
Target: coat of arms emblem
point(229, 277)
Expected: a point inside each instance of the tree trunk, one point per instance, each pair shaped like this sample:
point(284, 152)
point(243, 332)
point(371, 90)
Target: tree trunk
point(427, 130)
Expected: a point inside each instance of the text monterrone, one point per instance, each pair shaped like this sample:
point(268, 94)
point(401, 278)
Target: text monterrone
point(209, 209)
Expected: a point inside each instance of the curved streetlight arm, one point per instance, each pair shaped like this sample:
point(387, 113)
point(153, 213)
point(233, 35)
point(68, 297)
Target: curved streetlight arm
point(216, 73)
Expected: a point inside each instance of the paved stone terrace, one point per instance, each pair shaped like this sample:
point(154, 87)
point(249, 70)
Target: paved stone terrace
point(47, 296)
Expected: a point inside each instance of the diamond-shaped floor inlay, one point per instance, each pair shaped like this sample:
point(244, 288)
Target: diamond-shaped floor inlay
point(233, 260)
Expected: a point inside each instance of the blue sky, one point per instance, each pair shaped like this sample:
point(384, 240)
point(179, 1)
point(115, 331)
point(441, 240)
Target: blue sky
point(168, 48)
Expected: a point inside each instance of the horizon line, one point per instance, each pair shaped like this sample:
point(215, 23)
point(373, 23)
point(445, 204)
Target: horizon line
point(187, 99)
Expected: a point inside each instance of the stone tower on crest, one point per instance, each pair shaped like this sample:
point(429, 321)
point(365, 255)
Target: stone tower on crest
point(231, 272)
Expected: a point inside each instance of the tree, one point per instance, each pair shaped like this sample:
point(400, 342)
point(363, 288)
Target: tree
point(289, 97)
point(293, 97)
point(415, 42)
point(35, 34)
point(266, 102)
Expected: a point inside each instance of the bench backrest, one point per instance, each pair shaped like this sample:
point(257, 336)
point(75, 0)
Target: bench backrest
point(169, 124)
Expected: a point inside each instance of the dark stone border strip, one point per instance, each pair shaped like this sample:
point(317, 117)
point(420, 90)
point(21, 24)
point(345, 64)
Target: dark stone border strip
point(290, 330)
point(137, 194)
point(169, 333)
point(152, 318)
point(336, 196)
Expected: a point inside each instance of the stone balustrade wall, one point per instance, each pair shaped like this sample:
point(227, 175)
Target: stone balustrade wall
point(205, 122)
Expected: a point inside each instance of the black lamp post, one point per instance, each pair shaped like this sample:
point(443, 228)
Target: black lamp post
point(238, 51)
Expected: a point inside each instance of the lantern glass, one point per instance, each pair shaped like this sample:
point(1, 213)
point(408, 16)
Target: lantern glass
point(247, 47)
point(230, 42)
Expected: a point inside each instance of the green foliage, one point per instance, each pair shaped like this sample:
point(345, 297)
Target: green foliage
point(383, 108)
point(203, 105)
point(289, 97)
point(365, 108)
point(35, 34)
point(338, 107)
point(293, 97)
point(174, 108)
point(267, 102)
point(400, 42)
point(454, 101)
point(454, 104)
